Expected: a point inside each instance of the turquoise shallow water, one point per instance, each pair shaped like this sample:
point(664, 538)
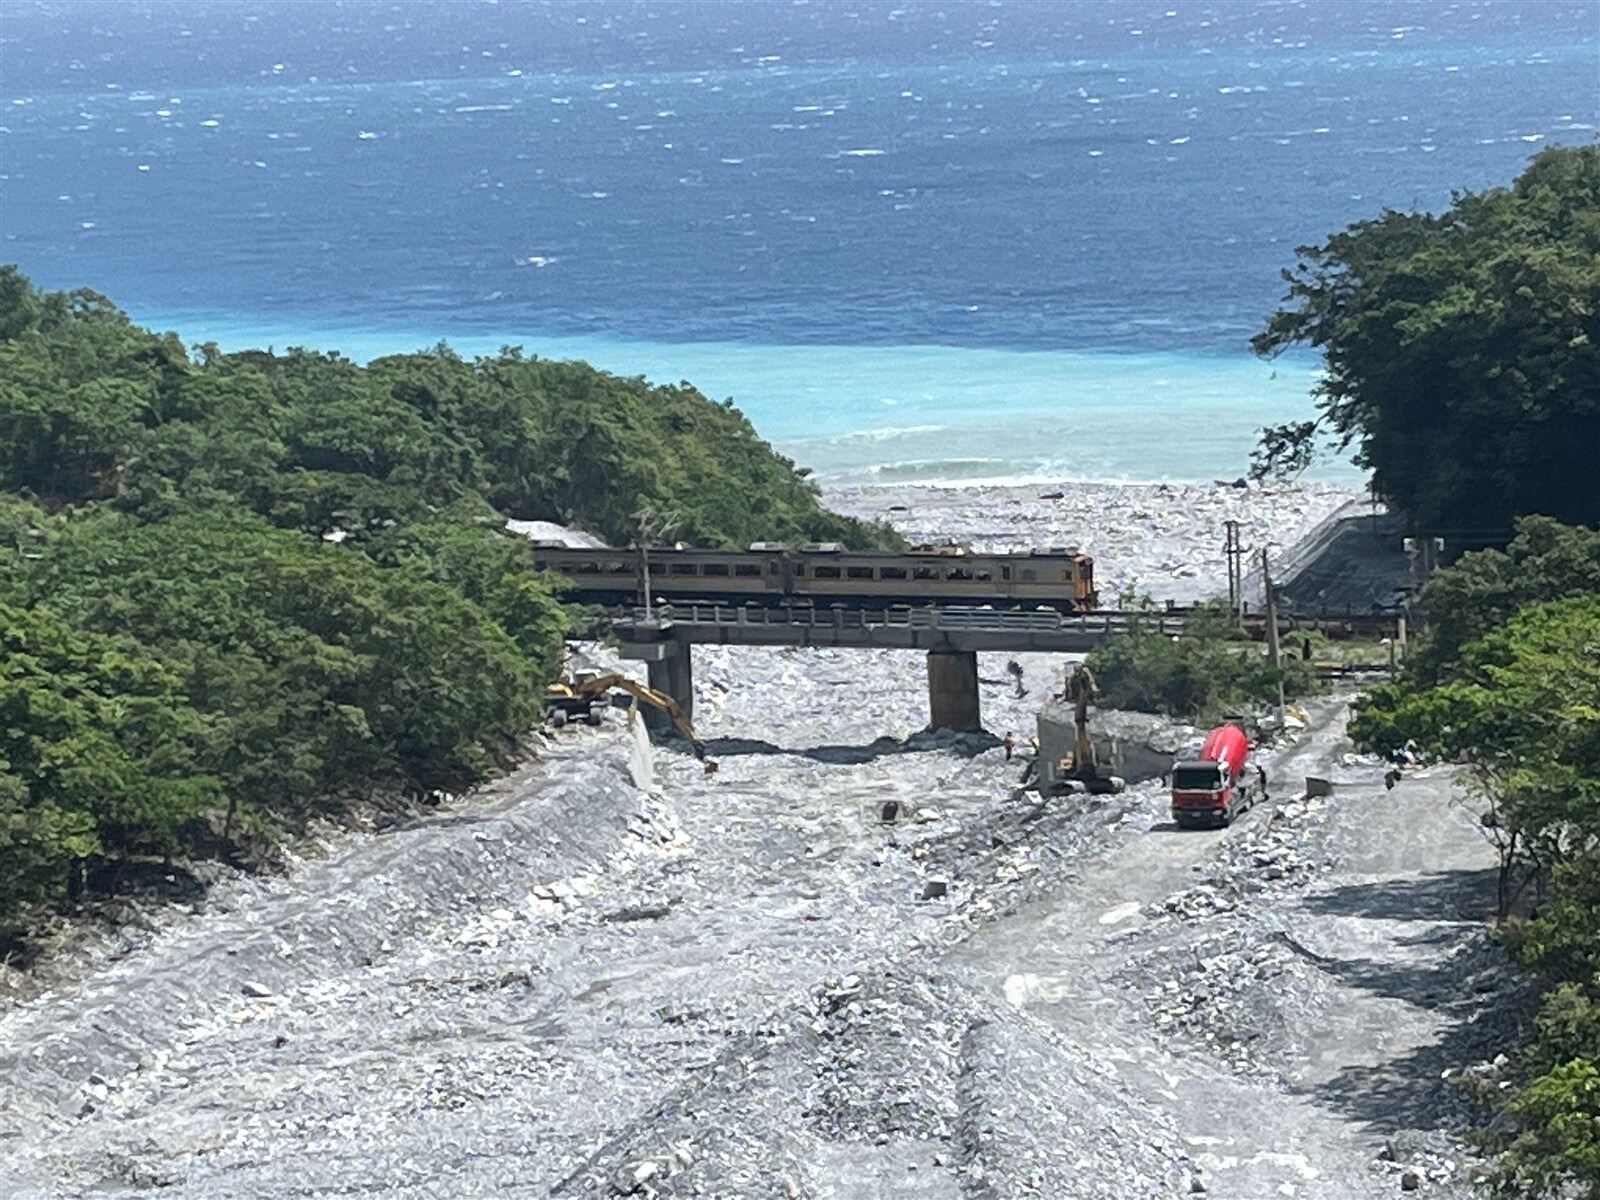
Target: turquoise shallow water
point(904, 414)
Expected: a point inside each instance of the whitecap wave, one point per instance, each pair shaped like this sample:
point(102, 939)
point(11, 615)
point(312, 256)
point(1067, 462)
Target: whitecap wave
point(889, 433)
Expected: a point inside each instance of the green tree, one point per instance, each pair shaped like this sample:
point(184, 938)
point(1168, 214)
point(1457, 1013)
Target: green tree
point(266, 583)
point(1462, 350)
point(97, 743)
point(1545, 560)
point(1208, 671)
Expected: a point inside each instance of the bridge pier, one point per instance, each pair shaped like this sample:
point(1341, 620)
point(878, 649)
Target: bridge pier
point(672, 673)
point(953, 690)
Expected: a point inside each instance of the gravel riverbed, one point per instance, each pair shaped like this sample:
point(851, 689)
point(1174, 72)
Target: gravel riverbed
point(747, 985)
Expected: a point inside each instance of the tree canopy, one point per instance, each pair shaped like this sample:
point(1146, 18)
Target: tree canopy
point(240, 589)
point(1462, 351)
point(1209, 670)
point(94, 408)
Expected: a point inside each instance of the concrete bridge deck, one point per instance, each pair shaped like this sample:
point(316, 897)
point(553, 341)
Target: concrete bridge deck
point(951, 637)
point(894, 629)
point(937, 628)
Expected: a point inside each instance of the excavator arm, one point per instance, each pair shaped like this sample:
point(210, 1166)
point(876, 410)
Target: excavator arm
point(1083, 695)
point(648, 695)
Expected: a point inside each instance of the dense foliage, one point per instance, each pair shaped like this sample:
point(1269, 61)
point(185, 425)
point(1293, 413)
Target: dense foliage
point(1545, 560)
point(1462, 351)
point(1212, 669)
point(93, 408)
point(1508, 684)
point(237, 589)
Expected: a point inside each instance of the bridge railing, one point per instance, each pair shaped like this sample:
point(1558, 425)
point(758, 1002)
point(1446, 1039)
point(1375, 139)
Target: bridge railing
point(1098, 624)
point(944, 618)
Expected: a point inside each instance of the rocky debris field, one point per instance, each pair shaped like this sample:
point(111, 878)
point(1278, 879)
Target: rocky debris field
point(747, 984)
point(1160, 539)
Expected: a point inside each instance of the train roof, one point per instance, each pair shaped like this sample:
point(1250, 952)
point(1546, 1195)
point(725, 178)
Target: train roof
point(809, 548)
point(547, 535)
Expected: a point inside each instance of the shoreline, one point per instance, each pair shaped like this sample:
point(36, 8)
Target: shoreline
point(864, 414)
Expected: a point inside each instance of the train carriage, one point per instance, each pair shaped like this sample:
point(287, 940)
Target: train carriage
point(826, 573)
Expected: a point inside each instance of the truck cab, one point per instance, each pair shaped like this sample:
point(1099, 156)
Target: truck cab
point(1202, 794)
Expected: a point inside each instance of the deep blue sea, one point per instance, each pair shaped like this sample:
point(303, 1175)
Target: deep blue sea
point(912, 240)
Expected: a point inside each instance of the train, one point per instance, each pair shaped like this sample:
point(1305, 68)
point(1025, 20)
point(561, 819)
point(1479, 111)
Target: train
point(824, 573)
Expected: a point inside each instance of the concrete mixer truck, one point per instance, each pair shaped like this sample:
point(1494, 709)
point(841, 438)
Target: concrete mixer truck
point(1220, 784)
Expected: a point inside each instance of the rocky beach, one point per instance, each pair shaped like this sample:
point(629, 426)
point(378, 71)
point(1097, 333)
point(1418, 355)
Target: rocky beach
point(746, 985)
point(1163, 540)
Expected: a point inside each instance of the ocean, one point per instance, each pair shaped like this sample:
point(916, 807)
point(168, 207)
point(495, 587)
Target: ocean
point(947, 242)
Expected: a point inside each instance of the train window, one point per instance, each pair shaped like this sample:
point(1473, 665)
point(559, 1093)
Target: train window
point(748, 569)
point(985, 576)
point(1005, 572)
point(587, 568)
point(799, 569)
point(891, 572)
point(1029, 573)
point(683, 568)
point(1066, 575)
point(925, 573)
point(858, 572)
point(615, 567)
point(959, 573)
point(714, 569)
point(825, 572)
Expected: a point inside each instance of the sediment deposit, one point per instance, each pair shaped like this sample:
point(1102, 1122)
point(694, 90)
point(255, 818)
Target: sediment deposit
point(747, 985)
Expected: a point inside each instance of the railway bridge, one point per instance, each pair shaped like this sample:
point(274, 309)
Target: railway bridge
point(663, 638)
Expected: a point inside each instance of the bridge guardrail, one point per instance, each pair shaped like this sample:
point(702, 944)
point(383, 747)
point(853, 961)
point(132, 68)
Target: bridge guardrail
point(1102, 622)
point(935, 619)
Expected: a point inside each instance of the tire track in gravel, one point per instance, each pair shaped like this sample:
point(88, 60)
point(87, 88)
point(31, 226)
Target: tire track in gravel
point(729, 989)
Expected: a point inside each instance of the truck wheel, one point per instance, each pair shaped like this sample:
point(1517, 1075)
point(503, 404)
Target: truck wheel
point(593, 717)
point(557, 717)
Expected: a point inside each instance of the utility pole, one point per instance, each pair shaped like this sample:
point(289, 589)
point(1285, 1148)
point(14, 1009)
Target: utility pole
point(1235, 555)
point(1272, 630)
point(652, 525)
point(643, 517)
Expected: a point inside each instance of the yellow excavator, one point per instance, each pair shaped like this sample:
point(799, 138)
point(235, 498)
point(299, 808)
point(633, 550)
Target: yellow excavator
point(588, 695)
point(1085, 766)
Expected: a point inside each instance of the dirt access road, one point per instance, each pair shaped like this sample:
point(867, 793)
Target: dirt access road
point(1287, 993)
point(746, 986)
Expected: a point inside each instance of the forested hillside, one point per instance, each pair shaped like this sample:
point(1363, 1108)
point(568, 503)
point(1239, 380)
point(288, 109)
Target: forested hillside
point(236, 589)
